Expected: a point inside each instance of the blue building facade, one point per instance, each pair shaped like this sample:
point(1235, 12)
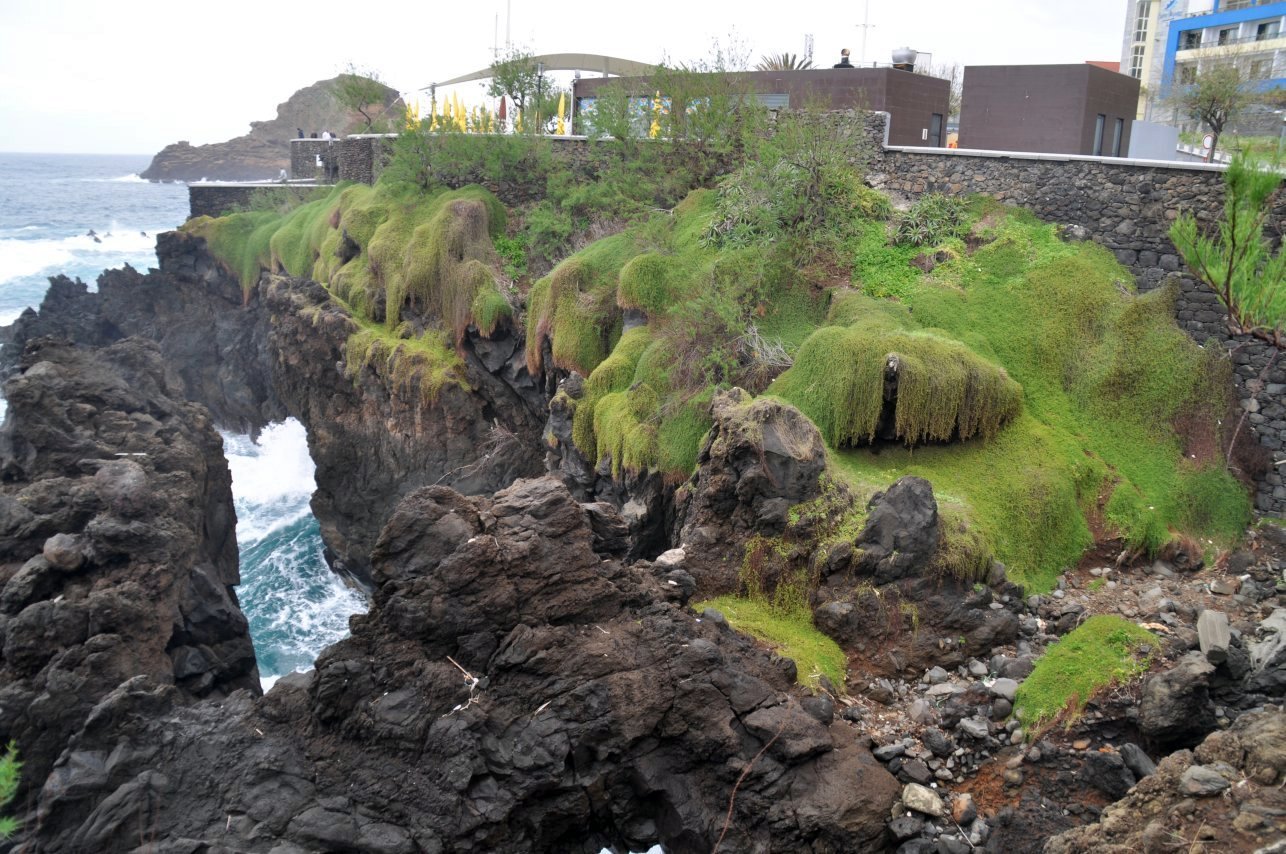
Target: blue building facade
point(1253, 34)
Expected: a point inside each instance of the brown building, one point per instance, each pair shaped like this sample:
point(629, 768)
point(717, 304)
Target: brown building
point(916, 103)
point(1052, 109)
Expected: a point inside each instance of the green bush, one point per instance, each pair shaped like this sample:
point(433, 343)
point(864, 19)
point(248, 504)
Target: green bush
point(932, 220)
point(10, 768)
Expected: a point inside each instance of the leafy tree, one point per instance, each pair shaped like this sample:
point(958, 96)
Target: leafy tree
point(1237, 262)
point(358, 90)
point(9, 768)
point(516, 77)
point(954, 75)
point(783, 62)
point(1214, 97)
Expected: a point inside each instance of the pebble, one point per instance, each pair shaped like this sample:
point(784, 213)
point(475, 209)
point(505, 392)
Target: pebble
point(1016, 737)
point(1081, 744)
point(963, 809)
point(1202, 781)
point(935, 676)
point(921, 711)
point(1014, 777)
point(1005, 688)
point(922, 800)
point(977, 669)
point(974, 727)
point(888, 751)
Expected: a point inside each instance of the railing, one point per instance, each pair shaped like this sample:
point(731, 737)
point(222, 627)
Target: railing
point(1232, 42)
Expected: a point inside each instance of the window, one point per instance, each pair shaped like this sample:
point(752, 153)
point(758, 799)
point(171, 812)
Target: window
point(1267, 31)
point(1118, 131)
point(1227, 35)
point(1143, 11)
point(1187, 74)
point(1191, 39)
point(1136, 61)
point(1098, 135)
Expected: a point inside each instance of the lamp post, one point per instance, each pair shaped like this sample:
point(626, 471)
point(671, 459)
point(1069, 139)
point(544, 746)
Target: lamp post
point(540, 91)
point(1281, 135)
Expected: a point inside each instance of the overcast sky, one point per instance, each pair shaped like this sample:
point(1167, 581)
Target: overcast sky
point(133, 76)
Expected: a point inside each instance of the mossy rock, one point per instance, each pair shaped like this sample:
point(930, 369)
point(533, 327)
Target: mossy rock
point(1102, 652)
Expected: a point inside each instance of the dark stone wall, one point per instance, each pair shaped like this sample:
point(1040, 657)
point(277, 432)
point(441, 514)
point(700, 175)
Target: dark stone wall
point(1127, 207)
point(218, 199)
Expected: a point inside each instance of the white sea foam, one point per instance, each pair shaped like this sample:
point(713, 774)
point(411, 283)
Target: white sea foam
point(116, 244)
point(272, 480)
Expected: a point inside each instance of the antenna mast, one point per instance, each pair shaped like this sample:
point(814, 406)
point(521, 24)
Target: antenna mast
point(866, 26)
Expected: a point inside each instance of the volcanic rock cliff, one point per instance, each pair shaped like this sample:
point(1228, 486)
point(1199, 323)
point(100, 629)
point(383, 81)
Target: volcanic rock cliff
point(262, 153)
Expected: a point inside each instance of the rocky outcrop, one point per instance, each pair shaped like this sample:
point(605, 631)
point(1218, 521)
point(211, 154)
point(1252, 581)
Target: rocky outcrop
point(117, 544)
point(279, 350)
point(509, 690)
point(263, 152)
point(760, 458)
point(1224, 796)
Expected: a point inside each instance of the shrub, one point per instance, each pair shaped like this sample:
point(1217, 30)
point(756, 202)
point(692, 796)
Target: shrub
point(932, 220)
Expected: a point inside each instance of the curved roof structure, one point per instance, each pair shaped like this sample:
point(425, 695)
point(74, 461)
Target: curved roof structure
point(607, 65)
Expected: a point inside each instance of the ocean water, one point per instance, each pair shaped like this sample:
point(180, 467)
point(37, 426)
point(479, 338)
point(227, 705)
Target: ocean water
point(48, 205)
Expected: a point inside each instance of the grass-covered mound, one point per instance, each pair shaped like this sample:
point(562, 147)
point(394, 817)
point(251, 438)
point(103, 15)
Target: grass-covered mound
point(1085, 413)
point(385, 253)
point(1118, 432)
point(648, 389)
point(1101, 652)
point(944, 389)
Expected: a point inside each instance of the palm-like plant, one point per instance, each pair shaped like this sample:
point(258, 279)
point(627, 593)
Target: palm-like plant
point(783, 62)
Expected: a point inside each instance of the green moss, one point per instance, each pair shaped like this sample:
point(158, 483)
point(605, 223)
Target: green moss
point(422, 365)
point(963, 551)
point(1105, 376)
point(789, 631)
point(1101, 652)
point(647, 282)
point(573, 310)
point(614, 374)
point(944, 389)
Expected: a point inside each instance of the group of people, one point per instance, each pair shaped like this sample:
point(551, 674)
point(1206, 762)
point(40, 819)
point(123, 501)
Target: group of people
point(324, 134)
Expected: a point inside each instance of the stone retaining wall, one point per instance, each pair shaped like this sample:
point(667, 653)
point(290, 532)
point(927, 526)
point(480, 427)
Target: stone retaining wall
point(218, 199)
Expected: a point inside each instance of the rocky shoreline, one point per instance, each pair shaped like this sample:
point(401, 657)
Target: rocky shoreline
point(530, 676)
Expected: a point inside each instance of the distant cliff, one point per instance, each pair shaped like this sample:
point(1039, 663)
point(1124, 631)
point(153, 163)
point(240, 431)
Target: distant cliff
point(265, 150)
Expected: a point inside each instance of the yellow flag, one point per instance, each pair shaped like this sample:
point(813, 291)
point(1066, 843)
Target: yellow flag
point(561, 127)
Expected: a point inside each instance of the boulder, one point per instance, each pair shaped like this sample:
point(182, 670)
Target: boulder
point(900, 536)
point(1175, 708)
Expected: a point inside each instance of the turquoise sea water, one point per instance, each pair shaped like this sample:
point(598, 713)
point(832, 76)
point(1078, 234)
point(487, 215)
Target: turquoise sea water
point(48, 206)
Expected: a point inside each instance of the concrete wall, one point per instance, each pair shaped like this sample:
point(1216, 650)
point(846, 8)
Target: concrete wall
point(1153, 141)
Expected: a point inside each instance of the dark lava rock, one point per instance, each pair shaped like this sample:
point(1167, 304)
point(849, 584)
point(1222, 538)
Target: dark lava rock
point(127, 546)
point(937, 742)
point(901, 531)
point(1175, 708)
point(603, 717)
point(1108, 773)
point(760, 458)
point(1252, 751)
